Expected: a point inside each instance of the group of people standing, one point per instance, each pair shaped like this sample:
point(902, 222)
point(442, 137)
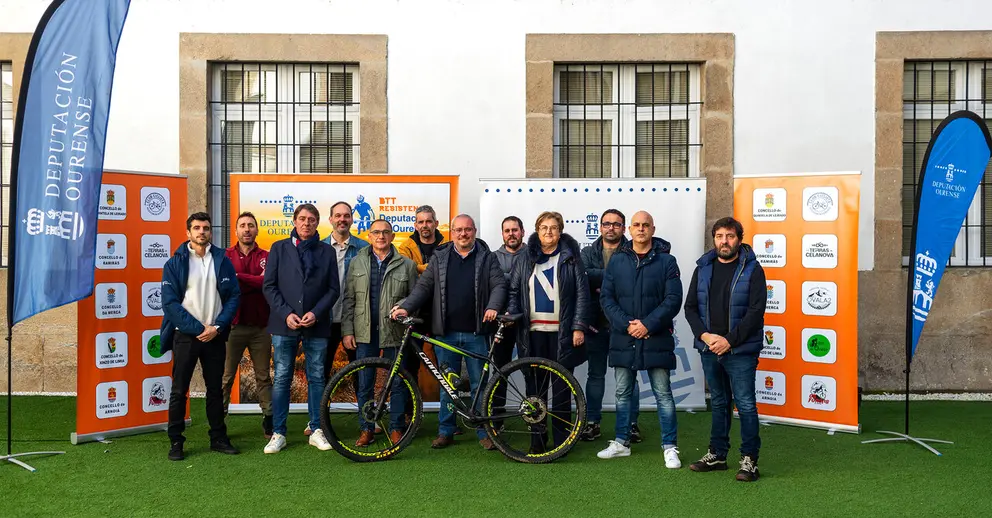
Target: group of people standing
point(612, 303)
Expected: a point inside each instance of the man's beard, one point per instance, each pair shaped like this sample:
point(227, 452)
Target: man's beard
point(728, 254)
point(610, 240)
point(512, 244)
point(426, 233)
point(246, 241)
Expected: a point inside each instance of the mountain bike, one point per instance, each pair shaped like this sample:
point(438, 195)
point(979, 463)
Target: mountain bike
point(514, 417)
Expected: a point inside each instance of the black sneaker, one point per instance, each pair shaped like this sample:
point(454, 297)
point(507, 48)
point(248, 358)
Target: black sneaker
point(635, 433)
point(590, 432)
point(224, 446)
point(176, 452)
point(709, 462)
point(749, 469)
point(267, 426)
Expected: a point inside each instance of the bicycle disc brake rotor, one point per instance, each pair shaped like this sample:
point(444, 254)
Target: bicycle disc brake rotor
point(535, 410)
point(368, 411)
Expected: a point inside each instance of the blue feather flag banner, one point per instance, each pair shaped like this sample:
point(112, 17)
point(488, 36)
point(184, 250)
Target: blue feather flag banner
point(952, 170)
point(59, 138)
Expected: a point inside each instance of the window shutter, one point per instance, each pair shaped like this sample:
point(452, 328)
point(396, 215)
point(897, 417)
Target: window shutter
point(662, 149)
point(585, 87)
point(585, 149)
point(663, 87)
point(329, 149)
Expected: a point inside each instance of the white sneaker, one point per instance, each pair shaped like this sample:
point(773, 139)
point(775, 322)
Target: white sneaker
point(317, 439)
point(672, 460)
point(276, 443)
point(615, 449)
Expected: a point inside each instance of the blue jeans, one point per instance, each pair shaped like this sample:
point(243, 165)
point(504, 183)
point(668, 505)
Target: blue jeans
point(366, 384)
point(284, 349)
point(598, 351)
point(731, 376)
point(469, 342)
point(662, 387)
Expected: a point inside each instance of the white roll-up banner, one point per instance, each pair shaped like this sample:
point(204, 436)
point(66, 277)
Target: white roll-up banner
point(679, 210)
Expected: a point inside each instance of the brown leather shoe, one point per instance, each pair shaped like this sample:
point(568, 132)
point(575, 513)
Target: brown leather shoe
point(442, 441)
point(487, 443)
point(395, 436)
point(365, 438)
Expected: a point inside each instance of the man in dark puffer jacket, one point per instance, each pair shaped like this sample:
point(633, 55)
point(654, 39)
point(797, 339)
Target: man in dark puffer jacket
point(641, 295)
point(725, 308)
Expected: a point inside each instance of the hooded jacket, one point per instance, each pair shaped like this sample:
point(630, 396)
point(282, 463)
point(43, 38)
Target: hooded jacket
point(506, 260)
point(175, 275)
point(592, 259)
point(649, 290)
point(410, 248)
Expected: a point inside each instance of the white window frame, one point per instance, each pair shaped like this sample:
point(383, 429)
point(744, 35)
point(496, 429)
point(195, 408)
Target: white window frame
point(285, 108)
point(288, 90)
point(622, 111)
point(961, 254)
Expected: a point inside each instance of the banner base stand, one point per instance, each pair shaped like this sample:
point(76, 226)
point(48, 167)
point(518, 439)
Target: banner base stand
point(903, 437)
point(80, 438)
point(12, 460)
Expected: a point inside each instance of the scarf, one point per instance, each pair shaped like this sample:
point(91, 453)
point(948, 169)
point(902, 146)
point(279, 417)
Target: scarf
point(306, 247)
point(543, 257)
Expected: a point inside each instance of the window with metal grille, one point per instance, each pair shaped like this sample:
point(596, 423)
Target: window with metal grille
point(279, 118)
point(626, 121)
point(932, 90)
point(6, 150)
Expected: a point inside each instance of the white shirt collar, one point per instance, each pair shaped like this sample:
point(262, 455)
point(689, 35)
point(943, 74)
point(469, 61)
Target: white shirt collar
point(189, 245)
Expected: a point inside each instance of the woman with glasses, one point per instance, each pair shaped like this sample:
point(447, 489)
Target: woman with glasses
point(549, 287)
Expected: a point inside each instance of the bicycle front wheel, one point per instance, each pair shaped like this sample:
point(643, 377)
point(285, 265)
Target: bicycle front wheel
point(351, 405)
point(534, 398)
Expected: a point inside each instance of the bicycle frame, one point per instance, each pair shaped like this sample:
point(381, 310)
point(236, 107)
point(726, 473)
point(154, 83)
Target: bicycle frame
point(467, 412)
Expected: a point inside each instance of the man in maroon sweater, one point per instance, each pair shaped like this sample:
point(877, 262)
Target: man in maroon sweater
point(248, 331)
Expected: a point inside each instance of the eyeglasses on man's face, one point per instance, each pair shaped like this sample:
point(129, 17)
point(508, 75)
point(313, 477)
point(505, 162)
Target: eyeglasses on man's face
point(611, 224)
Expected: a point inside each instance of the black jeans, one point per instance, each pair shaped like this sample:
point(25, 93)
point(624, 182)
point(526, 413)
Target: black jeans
point(186, 351)
point(332, 348)
point(411, 362)
point(502, 354)
point(545, 345)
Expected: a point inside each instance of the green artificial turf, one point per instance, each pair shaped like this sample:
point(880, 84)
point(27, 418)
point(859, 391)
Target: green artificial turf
point(804, 473)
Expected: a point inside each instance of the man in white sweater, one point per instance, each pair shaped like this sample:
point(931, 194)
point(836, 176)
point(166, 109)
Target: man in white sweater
point(200, 297)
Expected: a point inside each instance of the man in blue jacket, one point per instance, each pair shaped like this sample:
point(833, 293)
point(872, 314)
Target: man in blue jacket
point(200, 297)
point(641, 295)
point(725, 308)
point(301, 285)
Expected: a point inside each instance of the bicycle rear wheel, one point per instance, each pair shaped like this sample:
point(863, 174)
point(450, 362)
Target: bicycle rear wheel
point(343, 416)
point(541, 397)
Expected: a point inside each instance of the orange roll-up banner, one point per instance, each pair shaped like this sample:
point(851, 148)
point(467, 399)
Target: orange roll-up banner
point(272, 198)
point(123, 378)
point(804, 230)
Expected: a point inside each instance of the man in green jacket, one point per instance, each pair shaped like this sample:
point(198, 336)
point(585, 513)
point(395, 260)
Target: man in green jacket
point(378, 278)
